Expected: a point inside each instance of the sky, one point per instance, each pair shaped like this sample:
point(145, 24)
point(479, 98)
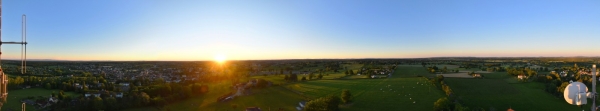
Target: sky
point(183, 30)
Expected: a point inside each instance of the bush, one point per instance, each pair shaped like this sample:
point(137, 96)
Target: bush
point(261, 83)
point(346, 96)
point(329, 103)
point(442, 104)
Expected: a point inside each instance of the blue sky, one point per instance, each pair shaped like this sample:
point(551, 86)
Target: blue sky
point(269, 29)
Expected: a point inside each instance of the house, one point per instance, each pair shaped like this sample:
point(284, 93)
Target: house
point(119, 95)
point(124, 84)
point(521, 76)
point(253, 109)
point(302, 104)
point(563, 73)
point(53, 99)
point(476, 75)
point(90, 94)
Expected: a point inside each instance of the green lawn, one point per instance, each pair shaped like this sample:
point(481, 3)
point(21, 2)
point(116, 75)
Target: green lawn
point(501, 92)
point(411, 71)
point(15, 96)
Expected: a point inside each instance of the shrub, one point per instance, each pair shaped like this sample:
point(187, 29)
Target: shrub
point(346, 96)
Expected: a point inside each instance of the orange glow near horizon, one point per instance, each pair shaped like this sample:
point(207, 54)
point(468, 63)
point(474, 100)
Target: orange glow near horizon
point(220, 58)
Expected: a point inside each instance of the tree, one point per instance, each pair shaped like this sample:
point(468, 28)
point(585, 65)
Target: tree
point(346, 72)
point(159, 101)
point(442, 104)
point(445, 70)
point(329, 103)
point(98, 104)
point(261, 83)
point(187, 91)
point(320, 76)
point(286, 77)
point(346, 96)
point(562, 87)
point(439, 78)
point(111, 104)
point(293, 77)
point(144, 98)
point(303, 78)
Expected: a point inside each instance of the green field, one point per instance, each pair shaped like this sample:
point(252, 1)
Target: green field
point(374, 94)
point(412, 71)
point(272, 97)
point(500, 92)
point(497, 91)
point(396, 93)
point(15, 96)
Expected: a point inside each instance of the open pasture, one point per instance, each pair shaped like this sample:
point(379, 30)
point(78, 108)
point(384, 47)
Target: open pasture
point(500, 92)
point(413, 93)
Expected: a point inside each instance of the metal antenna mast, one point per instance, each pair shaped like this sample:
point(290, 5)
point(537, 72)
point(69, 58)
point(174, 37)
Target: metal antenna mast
point(3, 77)
point(594, 87)
point(23, 44)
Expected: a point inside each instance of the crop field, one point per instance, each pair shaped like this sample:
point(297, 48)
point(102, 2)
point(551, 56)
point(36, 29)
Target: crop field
point(501, 92)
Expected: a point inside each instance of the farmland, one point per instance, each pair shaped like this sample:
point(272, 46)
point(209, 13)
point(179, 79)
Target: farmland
point(501, 92)
point(402, 91)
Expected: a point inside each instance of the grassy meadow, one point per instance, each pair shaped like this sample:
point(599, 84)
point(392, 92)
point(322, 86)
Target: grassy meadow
point(500, 92)
point(401, 92)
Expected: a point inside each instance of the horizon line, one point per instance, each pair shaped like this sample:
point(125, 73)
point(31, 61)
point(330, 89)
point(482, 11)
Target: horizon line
point(316, 58)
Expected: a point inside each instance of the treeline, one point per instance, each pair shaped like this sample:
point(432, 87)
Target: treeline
point(556, 82)
point(450, 102)
point(156, 93)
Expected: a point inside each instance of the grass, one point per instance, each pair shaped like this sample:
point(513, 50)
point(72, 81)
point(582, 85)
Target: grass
point(15, 96)
point(276, 79)
point(272, 97)
point(374, 94)
point(368, 94)
point(501, 92)
point(411, 71)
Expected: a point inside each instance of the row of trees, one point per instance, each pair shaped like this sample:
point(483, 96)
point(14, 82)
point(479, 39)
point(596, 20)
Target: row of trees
point(518, 71)
point(329, 103)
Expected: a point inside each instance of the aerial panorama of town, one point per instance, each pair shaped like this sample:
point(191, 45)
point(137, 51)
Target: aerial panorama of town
point(467, 83)
point(299, 55)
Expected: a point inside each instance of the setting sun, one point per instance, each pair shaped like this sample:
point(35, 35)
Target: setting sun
point(220, 58)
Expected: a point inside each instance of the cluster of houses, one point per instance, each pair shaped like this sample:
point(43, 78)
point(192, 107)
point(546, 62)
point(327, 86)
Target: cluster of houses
point(41, 103)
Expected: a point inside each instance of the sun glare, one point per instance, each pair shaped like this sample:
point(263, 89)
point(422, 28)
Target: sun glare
point(220, 58)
